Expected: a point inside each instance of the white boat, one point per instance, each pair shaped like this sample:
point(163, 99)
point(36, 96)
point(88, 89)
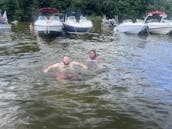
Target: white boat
point(76, 23)
point(127, 26)
point(156, 22)
point(48, 22)
point(4, 26)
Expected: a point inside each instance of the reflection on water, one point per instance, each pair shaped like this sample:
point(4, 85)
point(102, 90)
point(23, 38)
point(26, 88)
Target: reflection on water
point(133, 90)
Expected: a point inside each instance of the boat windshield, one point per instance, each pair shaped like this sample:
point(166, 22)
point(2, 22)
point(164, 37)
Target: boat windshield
point(42, 18)
point(153, 18)
point(83, 18)
point(72, 18)
point(56, 18)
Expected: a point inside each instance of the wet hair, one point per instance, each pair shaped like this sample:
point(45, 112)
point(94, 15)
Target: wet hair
point(92, 50)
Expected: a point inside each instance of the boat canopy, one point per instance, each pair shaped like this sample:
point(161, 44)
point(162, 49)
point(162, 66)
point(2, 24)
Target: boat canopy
point(51, 10)
point(156, 12)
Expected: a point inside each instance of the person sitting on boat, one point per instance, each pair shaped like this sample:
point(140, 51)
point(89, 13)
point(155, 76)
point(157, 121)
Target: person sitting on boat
point(66, 67)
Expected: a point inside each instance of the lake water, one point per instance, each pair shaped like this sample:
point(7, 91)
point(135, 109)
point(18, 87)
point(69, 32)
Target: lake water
point(133, 90)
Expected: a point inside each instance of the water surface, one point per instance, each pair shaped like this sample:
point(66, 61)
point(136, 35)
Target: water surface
point(133, 91)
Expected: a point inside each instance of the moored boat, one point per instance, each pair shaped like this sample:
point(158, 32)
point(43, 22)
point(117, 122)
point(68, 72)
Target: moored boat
point(127, 26)
point(157, 24)
point(48, 22)
point(76, 23)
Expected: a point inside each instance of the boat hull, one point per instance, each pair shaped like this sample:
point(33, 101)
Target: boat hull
point(44, 29)
point(160, 28)
point(132, 28)
point(74, 29)
point(5, 28)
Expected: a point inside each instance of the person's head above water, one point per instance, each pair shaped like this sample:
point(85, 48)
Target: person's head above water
point(92, 54)
point(66, 60)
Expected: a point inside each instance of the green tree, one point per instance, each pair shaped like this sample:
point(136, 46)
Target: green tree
point(26, 10)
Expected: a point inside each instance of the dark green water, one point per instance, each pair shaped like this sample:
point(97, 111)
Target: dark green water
point(133, 91)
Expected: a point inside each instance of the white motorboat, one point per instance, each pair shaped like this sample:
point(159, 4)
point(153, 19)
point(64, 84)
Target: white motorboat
point(48, 22)
point(76, 23)
point(157, 24)
point(4, 26)
point(127, 26)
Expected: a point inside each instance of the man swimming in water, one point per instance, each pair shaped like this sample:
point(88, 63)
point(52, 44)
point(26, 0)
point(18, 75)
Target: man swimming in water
point(65, 67)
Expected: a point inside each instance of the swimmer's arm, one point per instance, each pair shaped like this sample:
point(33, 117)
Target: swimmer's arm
point(51, 67)
point(82, 65)
point(99, 58)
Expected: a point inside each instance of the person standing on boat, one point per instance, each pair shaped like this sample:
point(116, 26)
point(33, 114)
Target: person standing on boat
point(65, 67)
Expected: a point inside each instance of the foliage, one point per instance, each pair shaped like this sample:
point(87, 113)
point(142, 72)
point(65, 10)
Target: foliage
point(26, 10)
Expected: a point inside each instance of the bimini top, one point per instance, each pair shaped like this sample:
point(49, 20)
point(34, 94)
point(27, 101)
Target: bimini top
point(51, 10)
point(156, 12)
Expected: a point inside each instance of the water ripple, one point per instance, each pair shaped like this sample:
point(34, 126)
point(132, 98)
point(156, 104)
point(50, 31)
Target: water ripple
point(130, 89)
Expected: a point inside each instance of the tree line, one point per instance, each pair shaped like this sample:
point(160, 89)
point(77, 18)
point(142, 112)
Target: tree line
point(26, 10)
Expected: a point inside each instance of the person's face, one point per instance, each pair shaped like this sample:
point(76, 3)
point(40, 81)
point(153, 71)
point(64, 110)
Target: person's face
point(92, 54)
point(66, 60)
